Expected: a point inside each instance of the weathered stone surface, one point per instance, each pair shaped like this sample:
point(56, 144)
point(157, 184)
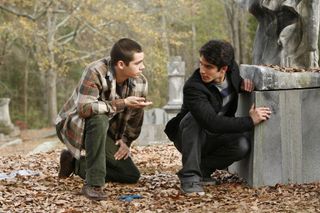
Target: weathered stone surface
point(266, 78)
point(176, 73)
point(152, 128)
point(285, 149)
point(151, 134)
point(155, 116)
point(4, 113)
point(287, 32)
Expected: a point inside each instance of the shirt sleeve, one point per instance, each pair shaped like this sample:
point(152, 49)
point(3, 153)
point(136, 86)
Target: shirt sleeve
point(133, 127)
point(134, 123)
point(89, 101)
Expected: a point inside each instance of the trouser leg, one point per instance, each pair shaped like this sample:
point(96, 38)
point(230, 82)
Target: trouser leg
point(92, 167)
point(124, 171)
point(189, 142)
point(220, 151)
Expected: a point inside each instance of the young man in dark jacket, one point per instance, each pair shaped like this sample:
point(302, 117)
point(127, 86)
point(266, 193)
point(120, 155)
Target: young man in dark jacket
point(210, 137)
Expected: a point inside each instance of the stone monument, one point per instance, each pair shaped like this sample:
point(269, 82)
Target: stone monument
point(285, 148)
point(5, 121)
point(176, 74)
point(8, 132)
point(288, 32)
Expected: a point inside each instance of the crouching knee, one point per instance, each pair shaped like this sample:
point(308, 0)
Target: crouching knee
point(133, 177)
point(243, 148)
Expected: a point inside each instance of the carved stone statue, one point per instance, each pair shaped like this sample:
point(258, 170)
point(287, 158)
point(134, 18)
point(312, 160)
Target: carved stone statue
point(288, 32)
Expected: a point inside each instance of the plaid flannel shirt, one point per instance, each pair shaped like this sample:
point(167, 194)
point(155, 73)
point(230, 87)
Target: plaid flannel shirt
point(96, 94)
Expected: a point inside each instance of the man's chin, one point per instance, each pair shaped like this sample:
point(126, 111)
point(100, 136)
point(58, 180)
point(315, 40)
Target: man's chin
point(206, 80)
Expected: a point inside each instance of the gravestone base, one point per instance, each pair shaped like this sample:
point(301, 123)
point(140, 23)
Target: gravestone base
point(151, 134)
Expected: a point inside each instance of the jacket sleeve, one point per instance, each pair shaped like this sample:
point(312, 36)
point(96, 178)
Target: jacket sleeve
point(197, 101)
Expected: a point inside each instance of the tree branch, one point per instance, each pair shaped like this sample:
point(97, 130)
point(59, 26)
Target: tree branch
point(84, 57)
point(33, 17)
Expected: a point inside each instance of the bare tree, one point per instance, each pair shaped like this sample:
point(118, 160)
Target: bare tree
point(238, 21)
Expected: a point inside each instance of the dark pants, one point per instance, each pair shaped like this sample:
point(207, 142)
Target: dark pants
point(99, 164)
point(203, 152)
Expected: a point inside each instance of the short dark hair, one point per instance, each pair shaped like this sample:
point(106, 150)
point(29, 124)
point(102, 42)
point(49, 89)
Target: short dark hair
point(124, 50)
point(218, 52)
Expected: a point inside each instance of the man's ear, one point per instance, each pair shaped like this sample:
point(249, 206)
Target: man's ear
point(224, 69)
point(120, 64)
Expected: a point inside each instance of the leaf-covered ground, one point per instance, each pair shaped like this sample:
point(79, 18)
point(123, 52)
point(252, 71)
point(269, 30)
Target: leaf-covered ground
point(158, 186)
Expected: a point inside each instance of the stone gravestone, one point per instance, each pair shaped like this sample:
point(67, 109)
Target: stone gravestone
point(176, 74)
point(153, 125)
point(8, 132)
point(285, 148)
point(288, 32)
point(155, 119)
point(5, 121)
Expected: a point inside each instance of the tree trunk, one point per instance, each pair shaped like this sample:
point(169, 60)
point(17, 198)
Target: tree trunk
point(25, 90)
point(243, 38)
point(51, 75)
point(194, 38)
point(164, 35)
point(238, 30)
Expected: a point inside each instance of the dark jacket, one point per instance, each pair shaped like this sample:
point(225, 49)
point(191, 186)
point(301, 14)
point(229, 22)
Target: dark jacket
point(204, 101)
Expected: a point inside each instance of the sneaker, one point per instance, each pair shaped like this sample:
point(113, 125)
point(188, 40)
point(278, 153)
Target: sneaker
point(209, 181)
point(93, 192)
point(192, 188)
point(67, 164)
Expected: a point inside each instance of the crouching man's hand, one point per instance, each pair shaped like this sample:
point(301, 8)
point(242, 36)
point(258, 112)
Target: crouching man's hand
point(247, 85)
point(123, 151)
point(136, 102)
point(259, 114)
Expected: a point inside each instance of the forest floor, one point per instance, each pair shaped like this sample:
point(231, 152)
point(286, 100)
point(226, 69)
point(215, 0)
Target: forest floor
point(158, 187)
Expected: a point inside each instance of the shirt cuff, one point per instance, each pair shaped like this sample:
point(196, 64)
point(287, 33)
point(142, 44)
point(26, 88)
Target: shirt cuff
point(126, 140)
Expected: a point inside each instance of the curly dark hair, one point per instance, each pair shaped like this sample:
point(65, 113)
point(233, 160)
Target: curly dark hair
point(218, 52)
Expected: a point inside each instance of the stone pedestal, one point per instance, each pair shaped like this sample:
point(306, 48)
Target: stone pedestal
point(176, 73)
point(285, 149)
point(152, 129)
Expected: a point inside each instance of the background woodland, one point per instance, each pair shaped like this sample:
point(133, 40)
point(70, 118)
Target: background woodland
point(45, 44)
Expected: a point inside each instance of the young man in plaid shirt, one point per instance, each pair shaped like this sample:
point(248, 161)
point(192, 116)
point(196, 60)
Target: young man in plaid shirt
point(103, 116)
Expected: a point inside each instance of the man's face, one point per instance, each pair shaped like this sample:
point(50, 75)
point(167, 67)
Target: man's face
point(210, 72)
point(135, 67)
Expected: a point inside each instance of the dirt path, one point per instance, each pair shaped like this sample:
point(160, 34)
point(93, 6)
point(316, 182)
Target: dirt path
point(30, 140)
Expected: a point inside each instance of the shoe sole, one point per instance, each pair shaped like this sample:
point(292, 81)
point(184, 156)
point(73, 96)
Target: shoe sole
point(92, 198)
point(95, 199)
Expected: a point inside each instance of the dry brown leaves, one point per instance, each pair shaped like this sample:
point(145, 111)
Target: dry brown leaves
point(292, 69)
point(158, 185)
